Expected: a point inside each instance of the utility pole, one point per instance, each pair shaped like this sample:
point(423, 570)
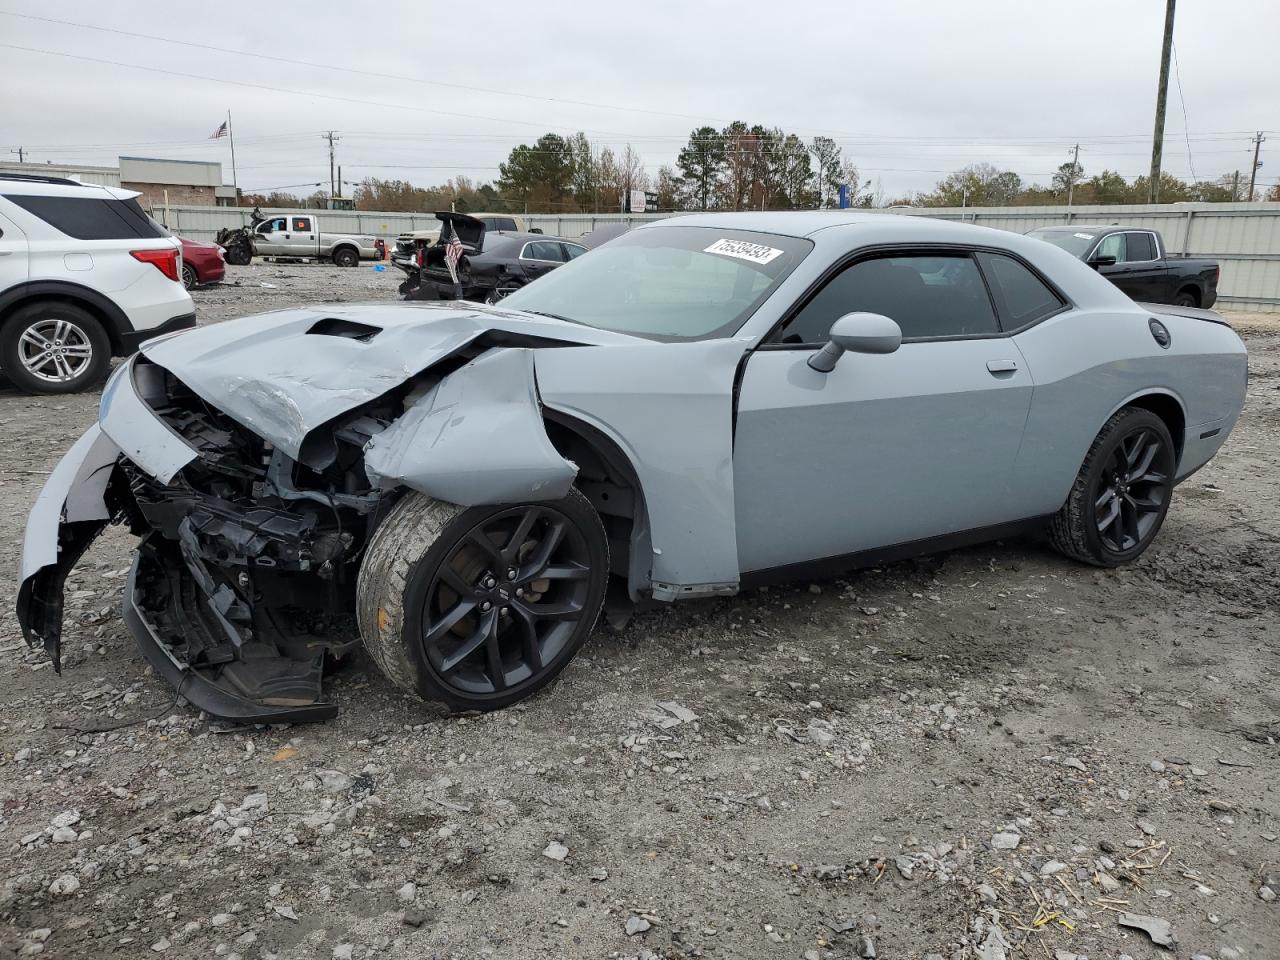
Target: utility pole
point(20, 152)
point(329, 135)
point(1253, 171)
point(1162, 93)
point(1235, 187)
point(1071, 177)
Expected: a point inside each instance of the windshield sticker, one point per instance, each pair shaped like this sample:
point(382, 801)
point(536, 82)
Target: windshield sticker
point(741, 250)
point(1083, 236)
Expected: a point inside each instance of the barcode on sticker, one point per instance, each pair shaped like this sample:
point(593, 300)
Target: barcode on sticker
point(741, 249)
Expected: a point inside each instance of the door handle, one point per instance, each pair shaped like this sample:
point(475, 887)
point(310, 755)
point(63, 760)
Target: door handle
point(1002, 366)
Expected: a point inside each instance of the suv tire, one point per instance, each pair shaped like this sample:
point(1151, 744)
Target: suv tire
point(51, 346)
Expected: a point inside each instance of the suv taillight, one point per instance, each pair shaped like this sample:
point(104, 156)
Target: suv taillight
point(166, 261)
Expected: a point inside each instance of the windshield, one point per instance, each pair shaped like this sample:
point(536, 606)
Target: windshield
point(667, 283)
point(1075, 242)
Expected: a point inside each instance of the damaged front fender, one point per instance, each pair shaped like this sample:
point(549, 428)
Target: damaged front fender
point(70, 512)
point(475, 437)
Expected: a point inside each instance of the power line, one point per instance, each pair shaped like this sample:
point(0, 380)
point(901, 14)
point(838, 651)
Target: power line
point(310, 94)
point(1177, 75)
point(469, 88)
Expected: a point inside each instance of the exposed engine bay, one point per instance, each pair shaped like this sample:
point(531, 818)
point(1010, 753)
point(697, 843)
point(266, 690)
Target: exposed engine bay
point(247, 565)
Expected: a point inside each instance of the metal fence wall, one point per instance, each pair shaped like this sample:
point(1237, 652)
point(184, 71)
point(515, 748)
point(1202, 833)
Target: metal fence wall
point(1243, 237)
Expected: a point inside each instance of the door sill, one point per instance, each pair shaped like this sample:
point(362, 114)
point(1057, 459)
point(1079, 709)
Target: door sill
point(827, 567)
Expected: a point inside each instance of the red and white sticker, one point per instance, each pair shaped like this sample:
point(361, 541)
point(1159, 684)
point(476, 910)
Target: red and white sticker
point(742, 250)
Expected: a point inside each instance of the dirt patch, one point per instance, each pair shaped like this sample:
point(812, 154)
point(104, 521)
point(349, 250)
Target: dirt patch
point(993, 744)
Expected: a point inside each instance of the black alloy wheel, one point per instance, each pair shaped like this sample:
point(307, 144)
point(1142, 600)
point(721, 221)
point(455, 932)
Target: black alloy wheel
point(506, 600)
point(1122, 492)
point(1132, 490)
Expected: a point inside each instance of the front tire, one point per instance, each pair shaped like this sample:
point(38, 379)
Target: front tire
point(1121, 494)
point(239, 254)
point(478, 608)
point(189, 277)
point(54, 347)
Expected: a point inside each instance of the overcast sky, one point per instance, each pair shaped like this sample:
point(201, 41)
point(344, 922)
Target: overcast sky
point(910, 88)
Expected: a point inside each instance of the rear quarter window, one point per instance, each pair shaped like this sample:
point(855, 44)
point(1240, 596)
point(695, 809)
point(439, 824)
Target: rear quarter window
point(1023, 297)
point(90, 218)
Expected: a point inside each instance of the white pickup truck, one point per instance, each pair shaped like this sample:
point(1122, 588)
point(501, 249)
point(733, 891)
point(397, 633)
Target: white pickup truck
point(299, 235)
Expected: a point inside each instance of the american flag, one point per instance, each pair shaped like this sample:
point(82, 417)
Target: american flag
point(453, 253)
point(220, 132)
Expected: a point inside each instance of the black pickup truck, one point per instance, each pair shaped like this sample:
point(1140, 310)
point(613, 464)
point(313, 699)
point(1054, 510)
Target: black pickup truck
point(1136, 261)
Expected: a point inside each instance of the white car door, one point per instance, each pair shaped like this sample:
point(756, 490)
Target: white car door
point(301, 236)
point(14, 267)
point(268, 239)
point(883, 450)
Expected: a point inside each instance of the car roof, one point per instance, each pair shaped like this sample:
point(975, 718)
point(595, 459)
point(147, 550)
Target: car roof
point(807, 223)
point(1095, 227)
point(21, 185)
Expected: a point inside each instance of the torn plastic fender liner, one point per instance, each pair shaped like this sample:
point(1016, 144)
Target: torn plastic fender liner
point(476, 437)
point(68, 515)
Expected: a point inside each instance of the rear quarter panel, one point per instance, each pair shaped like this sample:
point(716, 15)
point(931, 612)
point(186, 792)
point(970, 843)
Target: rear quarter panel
point(1087, 364)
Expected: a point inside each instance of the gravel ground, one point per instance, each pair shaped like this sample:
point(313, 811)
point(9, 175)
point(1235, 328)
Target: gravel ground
point(992, 753)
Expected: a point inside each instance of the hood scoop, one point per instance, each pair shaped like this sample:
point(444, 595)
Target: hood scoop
point(348, 329)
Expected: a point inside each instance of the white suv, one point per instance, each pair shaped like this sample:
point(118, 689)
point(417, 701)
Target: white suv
point(85, 275)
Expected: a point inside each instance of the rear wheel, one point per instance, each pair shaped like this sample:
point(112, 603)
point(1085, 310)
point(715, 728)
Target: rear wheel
point(1121, 494)
point(479, 608)
point(346, 257)
point(1186, 298)
point(54, 347)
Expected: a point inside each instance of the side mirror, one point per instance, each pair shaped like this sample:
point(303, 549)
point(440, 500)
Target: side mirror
point(858, 333)
point(1103, 261)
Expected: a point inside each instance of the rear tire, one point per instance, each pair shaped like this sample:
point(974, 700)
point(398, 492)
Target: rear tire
point(1121, 494)
point(53, 347)
point(478, 608)
point(345, 257)
point(1186, 298)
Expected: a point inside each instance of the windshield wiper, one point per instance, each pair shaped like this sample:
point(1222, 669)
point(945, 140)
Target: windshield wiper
point(556, 316)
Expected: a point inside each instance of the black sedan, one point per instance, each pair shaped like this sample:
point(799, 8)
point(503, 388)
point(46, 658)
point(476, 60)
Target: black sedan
point(493, 263)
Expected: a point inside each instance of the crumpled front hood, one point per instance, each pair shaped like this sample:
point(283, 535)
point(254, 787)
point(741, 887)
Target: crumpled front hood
point(284, 374)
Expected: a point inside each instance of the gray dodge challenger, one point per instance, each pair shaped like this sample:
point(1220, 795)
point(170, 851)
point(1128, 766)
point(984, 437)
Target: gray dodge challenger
point(701, 405)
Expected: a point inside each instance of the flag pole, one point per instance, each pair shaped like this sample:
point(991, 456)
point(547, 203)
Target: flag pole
point(232, 137)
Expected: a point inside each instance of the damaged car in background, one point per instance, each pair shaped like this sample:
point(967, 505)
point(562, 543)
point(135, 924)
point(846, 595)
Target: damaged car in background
point(492, 263)
point(699, 406)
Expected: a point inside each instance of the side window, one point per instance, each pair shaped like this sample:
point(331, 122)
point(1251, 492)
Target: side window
point(490, 223)
point(506, 223)
point(89, 218)
point(1112, 246)
point(1138, 247)
point(929, 296)
point(301, 224)
point(573, 251)
point(273, 226)
point(544, 250)
point(1023, 296)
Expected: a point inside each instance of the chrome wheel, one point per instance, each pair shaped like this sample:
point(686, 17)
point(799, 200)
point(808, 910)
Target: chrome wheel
point(55, 351)
point(1133, 488)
